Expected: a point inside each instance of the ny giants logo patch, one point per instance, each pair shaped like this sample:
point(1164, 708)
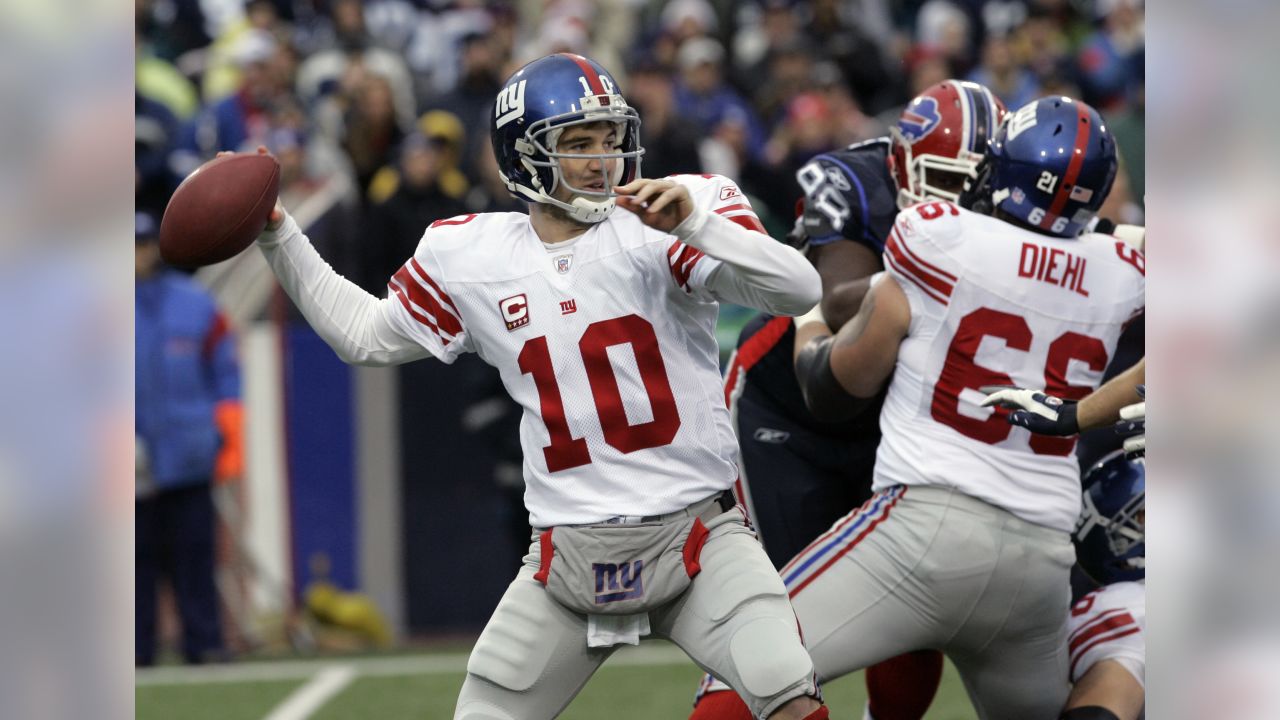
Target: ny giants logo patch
point(618, 581)
point(515, 311)
point(919, 119)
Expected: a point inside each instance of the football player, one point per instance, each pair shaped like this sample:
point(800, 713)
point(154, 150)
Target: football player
point(966, 546)
point(1107, 629)
point(799, 473)
point(601, 324)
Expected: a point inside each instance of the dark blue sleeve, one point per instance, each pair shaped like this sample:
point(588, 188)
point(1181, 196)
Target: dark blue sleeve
point(848, 196)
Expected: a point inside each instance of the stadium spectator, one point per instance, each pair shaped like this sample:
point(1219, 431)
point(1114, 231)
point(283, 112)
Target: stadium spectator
point(703, 95)
point(417, 198)
point(670, 140)
point(1012, 83)
point(188, 436)
point(242, 117)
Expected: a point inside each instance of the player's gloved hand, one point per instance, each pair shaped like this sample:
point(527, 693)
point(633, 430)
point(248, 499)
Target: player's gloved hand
point(796, 237)
point(1133, 421)
point(1033, 410)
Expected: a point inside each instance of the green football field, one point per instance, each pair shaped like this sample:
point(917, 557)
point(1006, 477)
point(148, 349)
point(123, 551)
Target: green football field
point(652, 681)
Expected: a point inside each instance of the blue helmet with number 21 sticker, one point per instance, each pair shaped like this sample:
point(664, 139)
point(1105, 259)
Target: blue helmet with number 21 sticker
point(535, 106)
point(1050, 166)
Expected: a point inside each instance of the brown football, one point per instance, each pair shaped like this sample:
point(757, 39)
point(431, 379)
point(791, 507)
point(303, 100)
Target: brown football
point(219, 209)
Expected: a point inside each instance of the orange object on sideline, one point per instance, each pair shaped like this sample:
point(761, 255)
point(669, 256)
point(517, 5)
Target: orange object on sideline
point(228, 415)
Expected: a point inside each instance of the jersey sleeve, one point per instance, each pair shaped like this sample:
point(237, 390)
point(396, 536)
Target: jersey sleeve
point(422, 308)
point(916, 255)
point(690, 268)
point(1109, 624)
point(844, 201)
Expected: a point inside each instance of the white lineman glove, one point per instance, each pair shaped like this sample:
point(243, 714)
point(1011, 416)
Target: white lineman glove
point(1033, 410)
point(1133, 419)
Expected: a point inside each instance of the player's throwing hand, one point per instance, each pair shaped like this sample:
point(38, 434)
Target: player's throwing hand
point(660, 204)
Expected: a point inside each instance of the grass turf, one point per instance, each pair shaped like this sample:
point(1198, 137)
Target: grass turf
point(616, 692)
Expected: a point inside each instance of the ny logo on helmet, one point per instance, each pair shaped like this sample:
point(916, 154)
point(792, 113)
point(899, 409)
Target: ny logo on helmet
point(919, 119)
point(510, 103)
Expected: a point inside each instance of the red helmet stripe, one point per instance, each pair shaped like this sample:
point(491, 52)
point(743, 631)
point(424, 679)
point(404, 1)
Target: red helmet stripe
point(1083, 133)
point(593, 77)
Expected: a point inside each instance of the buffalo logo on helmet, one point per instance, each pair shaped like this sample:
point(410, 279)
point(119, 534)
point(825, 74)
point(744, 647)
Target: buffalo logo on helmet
point(919, 119)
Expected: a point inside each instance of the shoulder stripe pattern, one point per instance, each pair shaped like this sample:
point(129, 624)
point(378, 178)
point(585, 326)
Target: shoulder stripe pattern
point(425, 301)
point(932, 280)
point(681, 259)
point(742, 214)
point(839, 540)
point(1107, 626)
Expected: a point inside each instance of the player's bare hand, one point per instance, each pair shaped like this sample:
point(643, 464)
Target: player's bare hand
point(660, 204)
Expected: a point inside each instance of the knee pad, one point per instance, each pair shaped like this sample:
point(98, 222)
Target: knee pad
point(511, 653)
point(1092, 712)
point(771, 663)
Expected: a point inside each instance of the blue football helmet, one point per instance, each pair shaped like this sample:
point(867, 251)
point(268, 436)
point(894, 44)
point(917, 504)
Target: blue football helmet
point(1050, 165)
point(534, 107)
point(1110, 536)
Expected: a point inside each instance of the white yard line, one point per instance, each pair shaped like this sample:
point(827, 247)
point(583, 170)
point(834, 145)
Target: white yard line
point(648, 654)
point(304, 701)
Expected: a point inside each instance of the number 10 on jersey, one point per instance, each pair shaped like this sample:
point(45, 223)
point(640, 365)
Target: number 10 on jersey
point(566, 451)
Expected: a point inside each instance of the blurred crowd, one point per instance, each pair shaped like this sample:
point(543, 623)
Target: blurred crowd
point(385, 103)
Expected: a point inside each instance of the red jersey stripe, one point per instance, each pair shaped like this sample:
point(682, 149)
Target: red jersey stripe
point(439, 291)
point(894, 250)
point(421, 297)
point(750, 222)
point(1076, 657)
point(1093, 620)
point(902, 243)
point(419, 316)
point(1104, 625)
point(681, 258)
point(731, 208)
point(896, 265)
point(425, 304)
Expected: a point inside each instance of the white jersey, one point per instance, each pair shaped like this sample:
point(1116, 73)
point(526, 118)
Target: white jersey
point(994, 304)
point(607, 341)
point(1110, 624)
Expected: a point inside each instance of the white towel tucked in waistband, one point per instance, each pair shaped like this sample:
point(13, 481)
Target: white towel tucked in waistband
point(610, 630)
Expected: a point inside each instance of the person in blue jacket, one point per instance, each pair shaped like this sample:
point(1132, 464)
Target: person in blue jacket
point(187, 429)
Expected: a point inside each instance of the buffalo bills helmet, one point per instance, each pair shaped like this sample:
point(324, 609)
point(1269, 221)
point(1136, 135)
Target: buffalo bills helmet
point(939, 139)
point(1110, 536)
point(535, 106)
point(1050, 166)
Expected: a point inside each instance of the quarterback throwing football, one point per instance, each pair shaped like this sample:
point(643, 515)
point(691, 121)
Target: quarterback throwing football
point(601, 326)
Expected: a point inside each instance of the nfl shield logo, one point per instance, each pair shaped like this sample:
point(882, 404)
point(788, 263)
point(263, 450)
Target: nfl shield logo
point(562, 263)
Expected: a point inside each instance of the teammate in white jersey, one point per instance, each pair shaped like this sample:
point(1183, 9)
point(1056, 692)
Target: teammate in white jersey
point(601, 325)
point(967, 545)
point(1106, 637)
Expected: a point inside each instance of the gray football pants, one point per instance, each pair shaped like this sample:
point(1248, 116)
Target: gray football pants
point(734, 621)
point(930, 567)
